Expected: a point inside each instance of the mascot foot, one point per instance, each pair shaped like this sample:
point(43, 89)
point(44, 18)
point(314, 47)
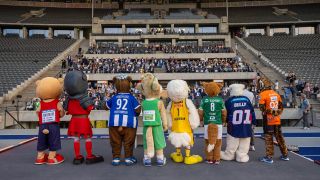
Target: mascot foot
point(42, 160)
point(130, 161)
point(56, 160)
point(147, 162)
point(78, 160)
point(94, 159)
point(194, 159)
point(161, 162)
point(116, 161)
point(178, 158)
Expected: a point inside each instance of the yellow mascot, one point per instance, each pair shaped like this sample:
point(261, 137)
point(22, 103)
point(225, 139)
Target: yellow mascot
point(182, 119)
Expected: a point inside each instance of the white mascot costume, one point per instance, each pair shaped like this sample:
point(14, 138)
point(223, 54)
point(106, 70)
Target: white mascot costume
point(240, 117)
point(182, 117)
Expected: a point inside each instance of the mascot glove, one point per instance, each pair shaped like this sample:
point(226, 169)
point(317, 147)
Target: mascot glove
point(210, 147)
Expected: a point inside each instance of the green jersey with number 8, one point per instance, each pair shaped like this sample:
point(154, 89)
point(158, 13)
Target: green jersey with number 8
point(212, 107)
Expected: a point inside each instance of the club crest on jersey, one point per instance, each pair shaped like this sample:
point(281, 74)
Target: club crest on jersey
point(274, 98)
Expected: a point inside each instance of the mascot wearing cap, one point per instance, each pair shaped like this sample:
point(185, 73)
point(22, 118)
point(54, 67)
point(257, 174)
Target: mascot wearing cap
point(49, 112)
point(270, 104)
point(79, 105)
point(182, 119)
point(123, 122)
point(154, 120)
point(240, 117)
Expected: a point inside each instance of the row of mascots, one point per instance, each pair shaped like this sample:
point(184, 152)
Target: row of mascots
point(180, 117)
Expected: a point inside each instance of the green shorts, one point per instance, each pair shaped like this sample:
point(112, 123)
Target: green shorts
point(158, 137)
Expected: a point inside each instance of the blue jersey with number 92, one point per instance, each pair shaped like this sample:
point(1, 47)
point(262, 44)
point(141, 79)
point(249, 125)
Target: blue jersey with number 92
point(122, 110)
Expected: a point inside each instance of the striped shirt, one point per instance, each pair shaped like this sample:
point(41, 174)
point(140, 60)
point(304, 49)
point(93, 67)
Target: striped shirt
point(122, 110)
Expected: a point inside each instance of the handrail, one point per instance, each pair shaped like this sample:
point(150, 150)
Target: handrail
point(7, 112)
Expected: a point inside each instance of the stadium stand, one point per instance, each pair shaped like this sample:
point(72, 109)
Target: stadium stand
point(69, 16)
point(182, 14)
point(113, 49)
point(11, 14)
point(299, 54)
point(21, 58)
point(305, 12)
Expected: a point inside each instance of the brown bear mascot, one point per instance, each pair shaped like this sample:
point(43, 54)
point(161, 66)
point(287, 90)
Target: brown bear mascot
point(123, 122)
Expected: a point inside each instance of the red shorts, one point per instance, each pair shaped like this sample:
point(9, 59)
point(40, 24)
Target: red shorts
point(80, 127)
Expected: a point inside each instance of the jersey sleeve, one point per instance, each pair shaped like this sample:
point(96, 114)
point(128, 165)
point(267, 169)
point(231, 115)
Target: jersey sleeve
point(109, 103)
point(201, 105)
point(253, 115)
point(262, 100)
point(223, 106)
point(134, 101)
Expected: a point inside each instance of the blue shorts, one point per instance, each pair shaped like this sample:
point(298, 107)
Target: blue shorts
point(49, 141)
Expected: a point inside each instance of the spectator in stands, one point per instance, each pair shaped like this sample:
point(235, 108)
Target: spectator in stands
point(251, 97)
point(305, 108)
point(315, 91)
point(276, 86)
point(287, 96)
point(293, 94)
point(307, 89)
point(63, 64)
point(165, 48)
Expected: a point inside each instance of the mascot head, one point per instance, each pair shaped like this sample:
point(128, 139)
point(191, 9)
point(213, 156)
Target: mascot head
point(236, 89)
point(149, 86)
point(75, 83)
point(211, 88)
point(122, 83)
point(178, 90)
point(49, 88)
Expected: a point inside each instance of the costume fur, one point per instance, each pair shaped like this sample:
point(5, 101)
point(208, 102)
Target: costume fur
point(237, 148)
point(182, 123)
point(123, 135)
point(213, 130)
point(48, 90)
point(151, 89)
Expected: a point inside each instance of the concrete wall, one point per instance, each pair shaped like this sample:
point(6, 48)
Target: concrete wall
point(256, 3)
point(165, 56)
point(31, 116)
point(97, 35)
point(184, 76)
point(158, 21)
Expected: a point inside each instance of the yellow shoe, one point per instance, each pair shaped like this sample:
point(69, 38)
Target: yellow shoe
point(194, 159)
point(178, 158)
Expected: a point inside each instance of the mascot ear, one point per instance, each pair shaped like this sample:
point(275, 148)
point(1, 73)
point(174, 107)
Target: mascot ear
point(155, 85)
point(220, 85)
point(139, 87)
point(114, 79)
point(61, 80)
point(129, 78)
point(204, 84)
point(37, 82)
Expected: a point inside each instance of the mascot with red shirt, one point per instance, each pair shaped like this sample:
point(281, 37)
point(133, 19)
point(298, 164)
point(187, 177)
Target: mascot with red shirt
point(79, 105)
point(49, 113)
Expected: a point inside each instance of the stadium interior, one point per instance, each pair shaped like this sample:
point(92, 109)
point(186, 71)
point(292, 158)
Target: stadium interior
point(241, 41)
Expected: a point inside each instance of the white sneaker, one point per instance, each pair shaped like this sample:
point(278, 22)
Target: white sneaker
point(252, 148)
